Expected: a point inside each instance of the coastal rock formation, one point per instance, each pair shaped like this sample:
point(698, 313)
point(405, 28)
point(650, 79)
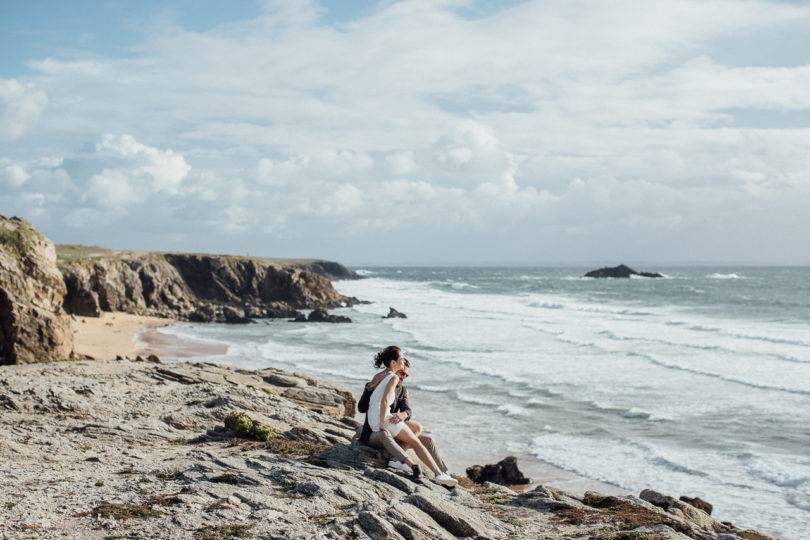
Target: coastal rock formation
point(699, 503)
point(140, 284)
point(114, 449)
point(199, 288)
point(620, 271)
point(329, 269)
point(322, 315)
point(234, 316)
point(394, 314)
point(505, 473)
point(682, 509)
point(33, 325)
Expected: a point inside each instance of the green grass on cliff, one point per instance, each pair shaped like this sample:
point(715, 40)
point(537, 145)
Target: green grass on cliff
point(17, 241)
point(83, 253)
point(75, 252)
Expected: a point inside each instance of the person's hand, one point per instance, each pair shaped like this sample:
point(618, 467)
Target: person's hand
point(396, 418)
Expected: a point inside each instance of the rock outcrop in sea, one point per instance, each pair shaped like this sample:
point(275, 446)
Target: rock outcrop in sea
point(323, 315)
point(33, 325)
point(620, 271)
point(505, 473)
point(394, 314)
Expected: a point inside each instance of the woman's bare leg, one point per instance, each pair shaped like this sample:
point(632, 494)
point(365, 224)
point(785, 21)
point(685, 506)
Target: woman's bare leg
point(415, 426)
point(406, 435)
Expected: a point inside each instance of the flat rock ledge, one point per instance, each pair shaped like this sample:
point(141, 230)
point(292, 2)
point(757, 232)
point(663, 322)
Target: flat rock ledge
point(120, 449)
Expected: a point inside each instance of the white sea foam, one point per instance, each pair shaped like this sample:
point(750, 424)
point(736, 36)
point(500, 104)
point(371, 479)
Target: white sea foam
point(545, 305)
point(433, 388)
point(513, 410)
point(771, 470)
point(636, 413)
point(476, 399)
point(536, 402)
point(724, 276)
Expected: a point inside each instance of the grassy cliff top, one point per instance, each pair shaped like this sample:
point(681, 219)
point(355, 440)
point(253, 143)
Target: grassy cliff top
point(76, 251)
point(17, 235)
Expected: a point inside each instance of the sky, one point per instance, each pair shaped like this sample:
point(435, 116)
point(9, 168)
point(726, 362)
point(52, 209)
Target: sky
point(413, 131)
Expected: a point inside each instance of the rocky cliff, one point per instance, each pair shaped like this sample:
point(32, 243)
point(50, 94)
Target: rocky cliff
point(36, 295)
point(33, 325)
point(195, 287)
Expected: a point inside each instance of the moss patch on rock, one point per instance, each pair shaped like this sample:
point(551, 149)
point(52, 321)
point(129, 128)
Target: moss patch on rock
point(244, 427)
point(620, 516)
point(16, 241)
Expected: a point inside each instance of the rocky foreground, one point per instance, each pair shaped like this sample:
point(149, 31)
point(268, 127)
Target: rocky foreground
point(122, 449)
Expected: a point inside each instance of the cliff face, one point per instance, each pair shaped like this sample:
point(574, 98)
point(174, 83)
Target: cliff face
point(138, 284)
point(189, 286)
point(33, 325)
point(327, 269)
point(36, 295)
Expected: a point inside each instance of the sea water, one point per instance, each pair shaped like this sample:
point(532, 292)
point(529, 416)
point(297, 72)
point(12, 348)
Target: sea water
point(695, 384)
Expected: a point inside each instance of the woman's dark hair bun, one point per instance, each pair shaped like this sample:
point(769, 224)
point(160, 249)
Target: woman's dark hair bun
point(387, 355)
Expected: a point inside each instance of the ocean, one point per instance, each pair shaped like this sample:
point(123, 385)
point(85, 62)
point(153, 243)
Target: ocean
point(695, 384)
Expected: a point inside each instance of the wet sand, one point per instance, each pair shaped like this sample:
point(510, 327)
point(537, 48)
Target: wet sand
point(151, 341)
point(112, 334)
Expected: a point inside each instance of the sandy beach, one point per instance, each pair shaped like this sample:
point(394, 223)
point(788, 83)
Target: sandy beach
point(122, 334)
point(113, 334)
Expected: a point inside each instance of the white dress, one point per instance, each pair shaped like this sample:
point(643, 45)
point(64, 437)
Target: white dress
point(374, 408)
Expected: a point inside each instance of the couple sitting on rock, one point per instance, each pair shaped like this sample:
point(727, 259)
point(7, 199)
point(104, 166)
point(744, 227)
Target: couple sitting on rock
point(388, 419)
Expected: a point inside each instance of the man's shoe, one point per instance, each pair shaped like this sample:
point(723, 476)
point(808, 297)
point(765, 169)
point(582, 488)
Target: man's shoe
point(398, 465)
point(445, 480)
point(416, 472)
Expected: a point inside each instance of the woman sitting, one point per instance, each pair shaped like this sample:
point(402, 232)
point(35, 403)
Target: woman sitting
point(380, 417)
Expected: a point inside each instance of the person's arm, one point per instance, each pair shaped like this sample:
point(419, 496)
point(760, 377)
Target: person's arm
point(362, 405)
point(403, 405)
point(400, 408)
point(389, 389)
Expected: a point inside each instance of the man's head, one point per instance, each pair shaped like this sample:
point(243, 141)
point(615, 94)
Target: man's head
point(402, 374)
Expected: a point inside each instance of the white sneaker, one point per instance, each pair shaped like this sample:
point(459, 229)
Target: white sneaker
point(398, 465)
point(445, 480)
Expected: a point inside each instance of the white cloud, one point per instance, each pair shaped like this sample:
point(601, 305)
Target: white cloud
point(112, 190)
point(13, 176)
point(401, 163)
point(163, 169)
point(50, 66)
point(419, 119)
point(20, 106)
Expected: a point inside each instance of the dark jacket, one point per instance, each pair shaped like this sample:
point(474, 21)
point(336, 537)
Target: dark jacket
point(400, 405)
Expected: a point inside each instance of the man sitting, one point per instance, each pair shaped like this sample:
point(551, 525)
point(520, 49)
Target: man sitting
point(401, 409)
